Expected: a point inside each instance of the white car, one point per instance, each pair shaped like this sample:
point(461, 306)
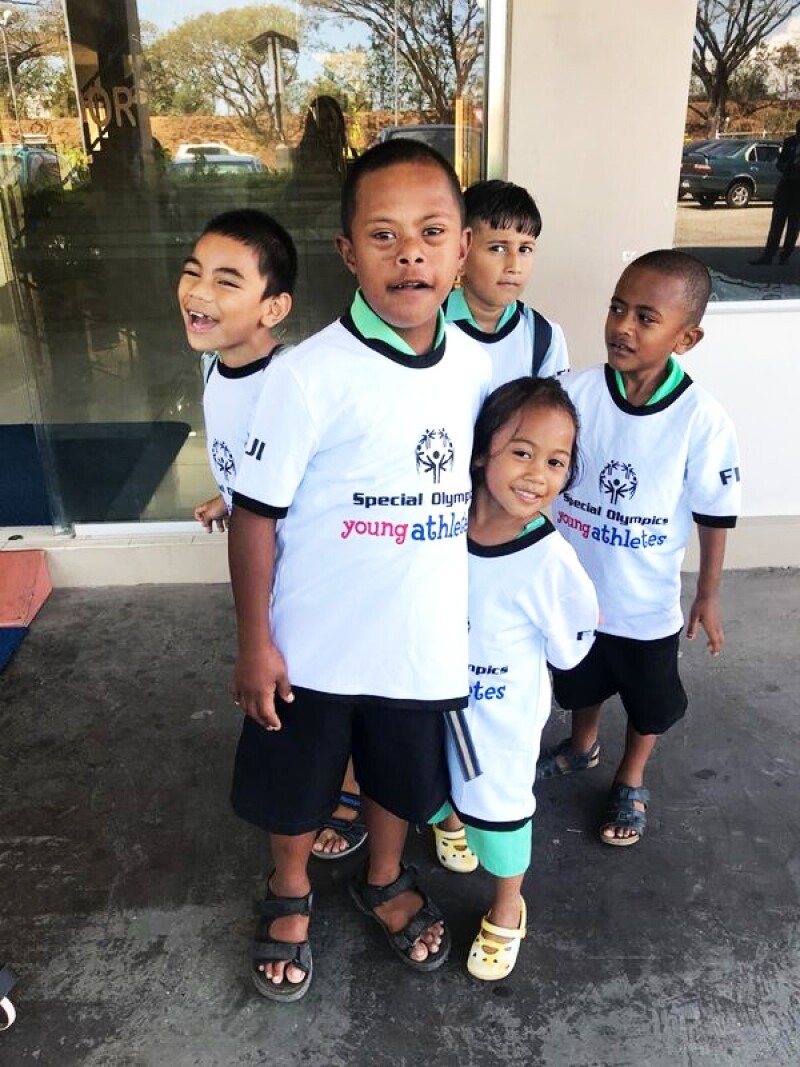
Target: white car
point(205, 165)
point(210, 148)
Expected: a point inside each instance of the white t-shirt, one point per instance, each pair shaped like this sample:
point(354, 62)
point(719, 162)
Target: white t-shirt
point(511, 346)
point(229, 400)
point(530, 603)
point(648, 472)
point(366, 452)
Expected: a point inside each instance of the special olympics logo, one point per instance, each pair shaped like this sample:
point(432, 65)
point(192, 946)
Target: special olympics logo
point(618, 480)
point(223, 460)
point(434, 454)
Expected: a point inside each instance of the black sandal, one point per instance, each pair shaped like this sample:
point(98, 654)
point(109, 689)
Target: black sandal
point(353, 831)
point(7, 982)
point(368, 897)
point(622, 814)
point(563, 759)
point(266, 949)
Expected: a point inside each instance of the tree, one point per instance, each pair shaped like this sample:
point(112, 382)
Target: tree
point(35, 33)
point(786, 61)
point(750, 85)
point(211, 58)
point(38, 58)
point(726, 33)
point(344, 74)
point(388, 85)
point(439, 41)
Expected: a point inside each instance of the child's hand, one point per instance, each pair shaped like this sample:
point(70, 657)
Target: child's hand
point(705, 612)
point(257, 677)
point(212, 511)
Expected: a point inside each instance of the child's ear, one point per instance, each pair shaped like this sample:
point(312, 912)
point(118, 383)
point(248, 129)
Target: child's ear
point(692, 336)
point(463, 252)
point(345, 248)
point(274, 309)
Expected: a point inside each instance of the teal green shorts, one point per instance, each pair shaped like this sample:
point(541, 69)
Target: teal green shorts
point(503, 853)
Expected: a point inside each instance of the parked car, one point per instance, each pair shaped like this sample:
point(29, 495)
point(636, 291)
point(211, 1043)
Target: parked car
point(737, 171)
point(692, 146)
point(217, 164)
point(207, 148)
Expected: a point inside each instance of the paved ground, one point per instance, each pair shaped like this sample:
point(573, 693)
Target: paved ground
point(125, 882)
point(727, 239)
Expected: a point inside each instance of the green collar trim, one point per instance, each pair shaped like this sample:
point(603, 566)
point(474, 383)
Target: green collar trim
point(529, 527)
point(675, 376)
point(456, 309)
point(371, 326)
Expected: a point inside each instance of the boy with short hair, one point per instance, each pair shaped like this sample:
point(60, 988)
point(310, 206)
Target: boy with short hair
point(360, 445)
point(521, 342)
point(238, 252)
point(659, 454)
point(235, 287)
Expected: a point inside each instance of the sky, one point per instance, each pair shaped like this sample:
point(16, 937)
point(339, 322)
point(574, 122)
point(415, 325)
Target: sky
point(788, 33)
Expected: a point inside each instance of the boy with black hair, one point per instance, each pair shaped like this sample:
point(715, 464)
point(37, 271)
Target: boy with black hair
point(659, 455)
point(235, 287)
point(360, 445)
point(238, 253)
point(521, 342)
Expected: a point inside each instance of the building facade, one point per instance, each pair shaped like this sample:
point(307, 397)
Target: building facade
point(584, 104)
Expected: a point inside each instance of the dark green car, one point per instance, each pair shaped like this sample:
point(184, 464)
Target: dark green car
point(735, 171)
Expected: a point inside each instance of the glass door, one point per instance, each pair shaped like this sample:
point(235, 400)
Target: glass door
point(125, 128)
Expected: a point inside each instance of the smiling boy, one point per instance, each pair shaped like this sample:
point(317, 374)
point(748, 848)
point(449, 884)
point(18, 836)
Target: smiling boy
point(364, 644)
point(659, 455)
point(521, 342)
point(235, 287)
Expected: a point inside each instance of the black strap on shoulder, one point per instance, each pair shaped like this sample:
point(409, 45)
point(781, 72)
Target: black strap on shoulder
point(542, 337)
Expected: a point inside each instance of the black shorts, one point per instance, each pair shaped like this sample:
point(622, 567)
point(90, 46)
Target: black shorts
point(288, 781)
point(643, 673)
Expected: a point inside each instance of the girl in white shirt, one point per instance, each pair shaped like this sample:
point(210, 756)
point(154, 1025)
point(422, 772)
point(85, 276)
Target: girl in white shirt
point(530, 604)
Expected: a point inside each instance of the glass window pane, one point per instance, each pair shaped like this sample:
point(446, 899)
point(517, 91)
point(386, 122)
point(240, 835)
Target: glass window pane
point(129, 126)
point(738, 194)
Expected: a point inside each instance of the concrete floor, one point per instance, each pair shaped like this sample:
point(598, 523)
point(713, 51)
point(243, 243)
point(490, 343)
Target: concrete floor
point(125, 881)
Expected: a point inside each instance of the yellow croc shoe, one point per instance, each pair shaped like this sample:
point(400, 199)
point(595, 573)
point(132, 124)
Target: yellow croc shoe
point(453, 852)
point(489, 958)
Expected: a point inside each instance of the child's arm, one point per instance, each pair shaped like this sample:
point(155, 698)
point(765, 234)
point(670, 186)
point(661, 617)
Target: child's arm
point(260, 667)
point(705, 610)
point(212, 511)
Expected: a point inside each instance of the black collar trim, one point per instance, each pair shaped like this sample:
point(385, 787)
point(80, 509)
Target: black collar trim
point(490, 338)
point(648, 409)
point(422, 362)
point(249, 368)
point(508, 548)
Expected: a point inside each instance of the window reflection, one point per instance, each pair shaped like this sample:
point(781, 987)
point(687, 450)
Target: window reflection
point(735, 184)
point(141, 121)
